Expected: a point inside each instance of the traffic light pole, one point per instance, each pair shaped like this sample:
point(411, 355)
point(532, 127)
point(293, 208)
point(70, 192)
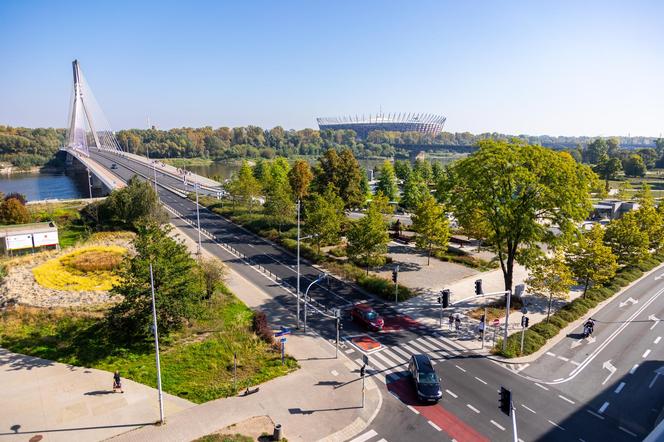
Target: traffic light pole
point(507, 319)
point(514, 433)
point(336, 354)
point(484, 326)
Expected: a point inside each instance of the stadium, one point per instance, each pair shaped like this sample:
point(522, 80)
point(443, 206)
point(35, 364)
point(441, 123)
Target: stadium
point(406, 122)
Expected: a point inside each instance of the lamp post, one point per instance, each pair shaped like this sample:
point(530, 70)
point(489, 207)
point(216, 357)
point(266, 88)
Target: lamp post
point(89, 181)
point(298, 263)
point(156, 346)
point(321, 277)
point(198, 219)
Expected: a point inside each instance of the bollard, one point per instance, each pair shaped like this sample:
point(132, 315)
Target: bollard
point(277, 432)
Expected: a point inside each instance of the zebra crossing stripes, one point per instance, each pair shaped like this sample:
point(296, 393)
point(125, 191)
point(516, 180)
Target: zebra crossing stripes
point(400, 351)
point(419, 346)
point(364, 437)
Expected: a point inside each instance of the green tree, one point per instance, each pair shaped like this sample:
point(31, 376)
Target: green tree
point(344, 173)
point(368, 238)
point(627, 241)
point(424, 170)
point(634, 166)
point(324, 217)
point(402, 169)
point(245, 188)
point(659, 146)
point(300, 177)
point(595, 151)
point(591, 261)
point(519, 189)
point(213, 273)
point(177, 284)
point(279, 204)
point(608, 169)
point(415, 190)
point(387, 181)
point(431, 226)
point(135, 204)
point(13, 212)
point(550, 277)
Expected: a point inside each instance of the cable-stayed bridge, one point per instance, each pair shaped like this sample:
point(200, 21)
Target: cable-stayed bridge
point(91, 142)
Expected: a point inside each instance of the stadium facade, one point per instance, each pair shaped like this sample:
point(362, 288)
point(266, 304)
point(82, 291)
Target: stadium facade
point(401, 122)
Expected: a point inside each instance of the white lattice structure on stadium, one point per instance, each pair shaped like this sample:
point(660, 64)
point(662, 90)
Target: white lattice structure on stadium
point(401, 122)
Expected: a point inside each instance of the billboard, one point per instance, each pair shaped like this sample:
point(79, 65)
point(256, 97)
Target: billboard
point(45, 239)
point(16, 242)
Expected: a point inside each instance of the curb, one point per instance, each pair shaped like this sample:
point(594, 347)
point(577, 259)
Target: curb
point(572, 325)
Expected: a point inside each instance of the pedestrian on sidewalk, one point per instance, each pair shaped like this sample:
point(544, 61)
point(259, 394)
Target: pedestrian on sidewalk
point(481, 330)
point(451, 320)
point(457, 322)
point(117, 382)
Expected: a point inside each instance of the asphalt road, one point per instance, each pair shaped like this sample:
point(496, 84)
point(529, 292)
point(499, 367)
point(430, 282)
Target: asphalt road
point(546, 409)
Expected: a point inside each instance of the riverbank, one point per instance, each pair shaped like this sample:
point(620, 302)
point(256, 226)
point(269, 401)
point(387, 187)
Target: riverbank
point(8, 169)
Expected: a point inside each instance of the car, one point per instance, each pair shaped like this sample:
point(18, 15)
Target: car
point(427, 382)
point(366, 315)
point(114, 166)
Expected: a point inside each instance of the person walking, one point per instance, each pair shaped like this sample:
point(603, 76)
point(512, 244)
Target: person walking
point(481, 330)
point(117, 382)
point(457, 323)
point(451, 321)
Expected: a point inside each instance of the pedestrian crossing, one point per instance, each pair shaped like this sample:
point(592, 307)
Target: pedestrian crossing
point(370, 435)
point(391, 362)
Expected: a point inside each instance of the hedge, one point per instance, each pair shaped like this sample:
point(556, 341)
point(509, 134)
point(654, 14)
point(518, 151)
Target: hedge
point(537, 335)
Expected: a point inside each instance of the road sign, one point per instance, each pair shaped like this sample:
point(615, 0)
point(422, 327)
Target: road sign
point(283, 332)
point(496, 322)
point(283, 339)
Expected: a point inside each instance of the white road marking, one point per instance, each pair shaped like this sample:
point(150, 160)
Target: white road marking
point(645, 355)
point(451, 394)
point(634, 369)
point(550, 354)
point(655, 321)
point(484, 382)
point(563, 358)
point(419, 347)
point(609, 366)
point(472, 408)
point(620, 387)
point(542, 386)
point(334, 373)
point(350, 350)
point(603, 407)
point(435, 426)
point(410, 407)
point(364, 437)
point(627, 431)
point(595, 414)
point(462, 369)
point(497, 424)
point(555, 424)
point(565, 399)
point(403, 353)
point(575, 363)
point(656, 341)
point(529, 409)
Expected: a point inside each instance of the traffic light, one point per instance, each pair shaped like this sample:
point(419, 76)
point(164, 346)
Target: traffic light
point(505, 401)
point(445, 299)
point(394, 276)
point(362, 369)
point(524, 321)
point(478, 287)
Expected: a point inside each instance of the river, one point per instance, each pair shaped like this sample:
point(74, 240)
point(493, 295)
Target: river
point(44, 185)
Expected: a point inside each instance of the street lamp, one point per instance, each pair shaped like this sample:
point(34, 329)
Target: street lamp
point(156, 347)
point(198, 219)
point(89, 181)
point(321, 277)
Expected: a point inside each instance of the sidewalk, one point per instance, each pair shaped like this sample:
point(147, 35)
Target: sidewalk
point(320, 401)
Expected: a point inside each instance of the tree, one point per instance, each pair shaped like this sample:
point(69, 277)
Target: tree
point(634, 166)
point(415, 190)
point(431, 226)
point(402, 169)
point(608, 169)
point(649, 218)
point(595, 151)
point(177, 284)
point(245, 188)
point(591, 261)
point(13, 212)
point(300, 177)
point(368, 238)
point(387, 181)
point(279, 204)
point(424, 170)
point(343, 172)
point(659, 146)
point(550, 277)
point(213, 273)
point(627, 241)
point(19, 196)
point(323, 217)
point(131, 206)
point(519, 190)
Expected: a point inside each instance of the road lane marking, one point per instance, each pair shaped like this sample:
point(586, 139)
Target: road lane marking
point(627, 431)
point(656, 341)
point(472, 408)
point(645, 355)
point(550, 354)
point(484, 382)
point(603, 407)
point(563, 358)
point(451, 394)
point(575, 363)
point(364, 437)
point(555, 424)
point(497, 425)
point(620, 387)
point(542, 386)
point(410, 407)
point(595, 414)
point(634, 369)
point(403, 353)
point(566, 399)
point(462, 369)
point(529, 409)
point(435, 426)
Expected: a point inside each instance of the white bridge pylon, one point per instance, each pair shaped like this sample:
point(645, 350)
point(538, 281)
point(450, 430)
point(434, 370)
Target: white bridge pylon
point(87, 126)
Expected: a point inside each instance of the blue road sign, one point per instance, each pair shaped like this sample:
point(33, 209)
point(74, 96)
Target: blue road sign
point(283, 332)
point(283, 339)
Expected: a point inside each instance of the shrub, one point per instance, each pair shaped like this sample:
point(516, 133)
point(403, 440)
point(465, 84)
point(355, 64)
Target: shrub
point(261, 327)
point(383, 288)
point(565, 315)
point(532, 341)
point(621, 281)
point(338, 252)
point(557, 321)
point(546, 330)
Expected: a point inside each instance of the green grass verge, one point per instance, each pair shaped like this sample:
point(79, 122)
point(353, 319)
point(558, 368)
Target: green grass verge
point(184, 162)
point(537, 335)
point(196, 364)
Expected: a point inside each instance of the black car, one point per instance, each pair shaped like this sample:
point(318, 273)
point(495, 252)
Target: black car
point(114, 166)
point(427, 382)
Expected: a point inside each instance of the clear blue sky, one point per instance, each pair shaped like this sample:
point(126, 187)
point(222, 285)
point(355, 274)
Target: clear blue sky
point(535, 67)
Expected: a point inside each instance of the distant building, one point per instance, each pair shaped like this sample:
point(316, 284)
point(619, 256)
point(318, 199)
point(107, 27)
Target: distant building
point(612, 209)
point(28, 237)
point(422, 123)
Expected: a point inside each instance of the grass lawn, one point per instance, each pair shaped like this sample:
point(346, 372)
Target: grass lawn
point(184, 162)
point(196, 363)
point(71, 228)
point(88, 268)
